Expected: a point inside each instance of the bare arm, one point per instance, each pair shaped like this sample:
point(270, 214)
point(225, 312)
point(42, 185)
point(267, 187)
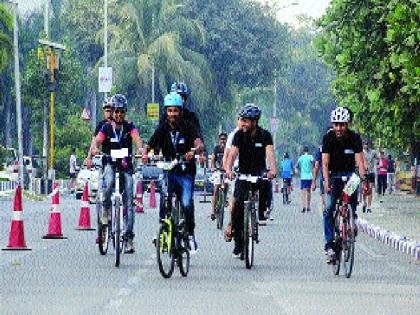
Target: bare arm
point(269, 151)
point(225, 157)
point(138, 141)
point(360, 160)
point(315, 170)
point(325, 164)
point(212, 162)
point(231, 158)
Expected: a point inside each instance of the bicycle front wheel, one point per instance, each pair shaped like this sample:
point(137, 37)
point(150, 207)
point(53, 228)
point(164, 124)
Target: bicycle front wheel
point(117, 235)
point(220, 209)
point(348, 245)
point(184, 256)
point(337, 242)
point(165, 251)
point(248, 236)
point(103, 238)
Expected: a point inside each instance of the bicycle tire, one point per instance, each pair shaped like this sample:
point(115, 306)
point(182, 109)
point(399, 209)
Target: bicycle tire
point(117, 233)
point(248, 237)
point(103, 238)
point(349, 240)
point(220, 209)
point(165, 248)
point(337, 242)
point(183, 256)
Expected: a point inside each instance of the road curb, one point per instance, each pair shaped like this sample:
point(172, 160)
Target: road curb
point(400, 243)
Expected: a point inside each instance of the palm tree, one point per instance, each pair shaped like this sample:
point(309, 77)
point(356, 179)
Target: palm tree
point(157, 35)
point(6, 43)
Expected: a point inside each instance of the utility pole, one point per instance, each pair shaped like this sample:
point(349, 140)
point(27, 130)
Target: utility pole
point(275, 115)
point(17, 87)
point(46, 147)
point(105, 37)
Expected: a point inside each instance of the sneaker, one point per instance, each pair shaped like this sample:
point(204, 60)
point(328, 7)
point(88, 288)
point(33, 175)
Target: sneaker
point(369, 210)
point(330, 256)
point(303, 210)
point(193, 244)
point(237, 250)
point(129, 247)
point(364, 208)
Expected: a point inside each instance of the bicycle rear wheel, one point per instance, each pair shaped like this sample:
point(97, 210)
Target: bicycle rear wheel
point(348, 244)
point(165, 250)
point(337, 242)
point(220, 208)
point(248, 236)
point(103, 238)
point(184, 256)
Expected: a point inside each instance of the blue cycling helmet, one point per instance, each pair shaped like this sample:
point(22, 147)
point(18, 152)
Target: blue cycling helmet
point(118, 101)
point(180, 88)
point(250, 111)
point(173, 99)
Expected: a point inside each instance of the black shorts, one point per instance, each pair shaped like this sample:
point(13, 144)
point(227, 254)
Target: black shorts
point(288, 181)
point(72, 175)
point(371, 177)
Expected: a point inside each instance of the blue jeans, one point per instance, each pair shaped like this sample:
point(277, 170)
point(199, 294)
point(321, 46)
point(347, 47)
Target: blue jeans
point(330, 201)
point(184, 184)
point(127, 183)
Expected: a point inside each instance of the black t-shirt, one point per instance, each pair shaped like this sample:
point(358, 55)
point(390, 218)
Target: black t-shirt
point(342, 151)
point(174, 141)
point(218, 153)
point(106, 145)
point(252, 157)
point(119, 139)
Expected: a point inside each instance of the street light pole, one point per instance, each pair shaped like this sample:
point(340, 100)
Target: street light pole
point(17, 87)
point(275, 114)
point(105, 37)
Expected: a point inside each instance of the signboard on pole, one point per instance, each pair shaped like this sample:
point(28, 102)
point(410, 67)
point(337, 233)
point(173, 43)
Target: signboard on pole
point(105, 79)
point(152, 111)
point(274, 123)
point(85, 114)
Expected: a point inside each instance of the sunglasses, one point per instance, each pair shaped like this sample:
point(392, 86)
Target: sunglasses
point(119, 111)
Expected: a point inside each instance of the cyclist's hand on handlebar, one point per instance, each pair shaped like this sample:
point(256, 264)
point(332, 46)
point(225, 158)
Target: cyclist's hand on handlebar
point(230, 175)
point(189, 155)
point(271, 175)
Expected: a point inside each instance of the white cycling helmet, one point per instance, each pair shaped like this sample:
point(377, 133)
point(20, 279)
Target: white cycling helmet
point(107, 102)
point(340, 115)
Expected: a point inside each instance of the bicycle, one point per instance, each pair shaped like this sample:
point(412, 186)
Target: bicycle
point(250, 230)
point(344, 228)
point(172, 239)
point(117, 213)
point(220, 199)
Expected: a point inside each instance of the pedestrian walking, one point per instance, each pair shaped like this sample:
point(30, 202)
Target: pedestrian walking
point(305, 164)
point(382, 167)
point(391, 174)
point(370, 164)
point(73, 169)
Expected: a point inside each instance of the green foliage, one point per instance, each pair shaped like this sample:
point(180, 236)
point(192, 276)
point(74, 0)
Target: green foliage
point(74, 133)
point(6, 38)
point(373, 47)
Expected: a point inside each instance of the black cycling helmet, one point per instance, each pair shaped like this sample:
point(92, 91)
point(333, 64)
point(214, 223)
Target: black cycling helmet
point(250, 111)
point(119, 101)
point(181, 88)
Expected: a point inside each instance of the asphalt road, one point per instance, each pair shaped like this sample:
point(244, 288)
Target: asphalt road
point(290, 276)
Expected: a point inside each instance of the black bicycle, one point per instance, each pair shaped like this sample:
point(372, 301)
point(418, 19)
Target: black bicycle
point(250, 230)
point(172, 245)
point(220, 199)
point(344, 230)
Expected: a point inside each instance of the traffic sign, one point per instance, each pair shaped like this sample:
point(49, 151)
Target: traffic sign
point(85, 114)
point(152, 111)
point(105, 79)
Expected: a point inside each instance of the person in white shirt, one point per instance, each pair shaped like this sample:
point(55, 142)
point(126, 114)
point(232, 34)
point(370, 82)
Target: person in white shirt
point(73, 169)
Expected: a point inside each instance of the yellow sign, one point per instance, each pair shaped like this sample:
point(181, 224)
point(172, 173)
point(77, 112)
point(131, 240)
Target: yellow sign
point(152, 111)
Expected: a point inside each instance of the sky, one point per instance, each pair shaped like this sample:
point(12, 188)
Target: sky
point(287, 13)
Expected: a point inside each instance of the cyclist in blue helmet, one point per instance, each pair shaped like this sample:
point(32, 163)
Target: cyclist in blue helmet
point(176, 136)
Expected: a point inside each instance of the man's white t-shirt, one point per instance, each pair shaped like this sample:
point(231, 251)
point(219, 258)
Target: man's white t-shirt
point(73, 163)
point(229, 145)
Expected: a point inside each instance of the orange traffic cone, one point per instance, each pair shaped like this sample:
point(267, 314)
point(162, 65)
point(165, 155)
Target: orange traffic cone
point(54, 227)
point(276, 186)
point(17, 235)
point(139, 197)
point(152, 194)
point(84, 218)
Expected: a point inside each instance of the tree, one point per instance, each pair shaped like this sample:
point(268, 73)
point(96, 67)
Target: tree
point(373, 47)
point(6, 42)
